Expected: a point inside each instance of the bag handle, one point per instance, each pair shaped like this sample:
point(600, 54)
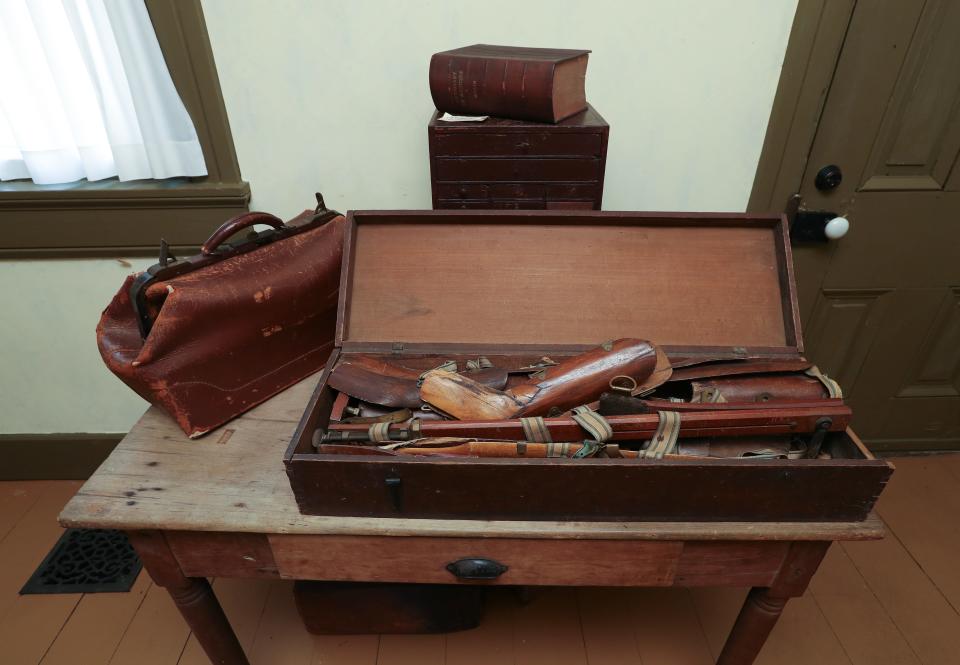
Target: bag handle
point(234, 224)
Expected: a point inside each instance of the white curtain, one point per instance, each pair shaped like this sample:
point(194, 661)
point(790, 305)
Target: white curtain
point(85, 93)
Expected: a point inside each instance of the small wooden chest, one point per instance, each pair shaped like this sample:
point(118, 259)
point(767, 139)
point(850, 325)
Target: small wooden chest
point(511, 164)
point(421, 287)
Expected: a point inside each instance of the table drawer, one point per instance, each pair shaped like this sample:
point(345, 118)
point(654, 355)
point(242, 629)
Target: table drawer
point(527, 561)
point(507, 145)
point(573, 168)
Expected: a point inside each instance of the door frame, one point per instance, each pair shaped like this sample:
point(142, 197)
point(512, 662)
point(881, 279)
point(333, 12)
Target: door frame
point(813, 50)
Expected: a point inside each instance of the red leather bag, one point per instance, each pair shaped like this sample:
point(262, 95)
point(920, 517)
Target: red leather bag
point(209, 337)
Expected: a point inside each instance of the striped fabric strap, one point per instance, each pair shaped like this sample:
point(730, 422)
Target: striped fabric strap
point(664, 440)
point(710, 395)
point(480, 363)
point(593, 423)
point(833, 388)
point(535, 430)
point(558, 449)
point(574, 450)
point(379, 432)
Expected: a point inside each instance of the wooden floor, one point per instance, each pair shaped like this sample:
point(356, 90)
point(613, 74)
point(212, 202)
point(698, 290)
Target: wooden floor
point(872, 603)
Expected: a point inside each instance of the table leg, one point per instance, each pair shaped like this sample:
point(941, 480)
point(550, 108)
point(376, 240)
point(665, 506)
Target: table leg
point(756, 619)
point(194, 598)
point(764, 605)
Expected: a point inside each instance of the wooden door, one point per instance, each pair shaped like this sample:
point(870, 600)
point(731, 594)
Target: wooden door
point(881, 306)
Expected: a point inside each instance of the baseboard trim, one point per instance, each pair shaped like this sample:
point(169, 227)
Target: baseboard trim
point(53, 456)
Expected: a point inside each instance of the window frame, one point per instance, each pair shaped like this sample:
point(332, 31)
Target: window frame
point(112, 218)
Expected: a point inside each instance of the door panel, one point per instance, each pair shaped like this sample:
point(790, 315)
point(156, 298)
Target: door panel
point(881, 306)
point(842, 329)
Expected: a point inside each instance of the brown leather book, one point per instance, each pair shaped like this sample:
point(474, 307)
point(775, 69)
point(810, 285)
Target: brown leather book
point(540, 84)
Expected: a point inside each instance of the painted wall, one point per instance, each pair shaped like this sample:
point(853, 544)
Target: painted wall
point(333, 96)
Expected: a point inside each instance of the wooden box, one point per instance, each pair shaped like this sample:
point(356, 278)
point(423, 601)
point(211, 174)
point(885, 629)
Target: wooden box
point(512, 164)
point(421, 287)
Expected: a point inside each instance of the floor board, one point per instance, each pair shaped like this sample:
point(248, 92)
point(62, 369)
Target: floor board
point(97, 625)
point(280, 636)
point(607, 621)
point(345, 649)
point(922, 506)
point(16, 498)
point(667, 628)
point(244, 602)
point(490, 643)
point(892, 602)
point(547, 630)
point(950, 462)
point(156, 635)
point(866, 631)
point(928, 622)
point(30, 624)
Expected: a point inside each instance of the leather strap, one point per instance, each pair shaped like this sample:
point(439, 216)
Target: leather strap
point(535, 430)
point(445, 366)
point(664, 440)
point(833, 388)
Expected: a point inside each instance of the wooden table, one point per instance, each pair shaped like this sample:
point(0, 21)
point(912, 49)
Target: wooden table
point(221, 506)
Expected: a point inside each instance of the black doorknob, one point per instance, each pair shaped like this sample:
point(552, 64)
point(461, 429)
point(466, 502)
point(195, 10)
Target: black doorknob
point(828, 177)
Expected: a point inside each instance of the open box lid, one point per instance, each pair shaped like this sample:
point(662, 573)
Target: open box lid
point(712, 284)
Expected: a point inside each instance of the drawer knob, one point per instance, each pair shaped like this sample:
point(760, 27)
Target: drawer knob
point(477, 569)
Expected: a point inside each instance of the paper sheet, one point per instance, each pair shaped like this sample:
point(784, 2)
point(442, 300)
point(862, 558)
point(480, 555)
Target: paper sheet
point(447, 117)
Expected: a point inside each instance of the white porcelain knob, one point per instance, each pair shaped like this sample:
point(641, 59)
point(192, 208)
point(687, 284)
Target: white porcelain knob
point(836, 228)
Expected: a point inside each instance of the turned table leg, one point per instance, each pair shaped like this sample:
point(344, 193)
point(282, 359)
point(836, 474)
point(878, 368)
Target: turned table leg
point(764, 605)
point(192, 596)
point(757, 618)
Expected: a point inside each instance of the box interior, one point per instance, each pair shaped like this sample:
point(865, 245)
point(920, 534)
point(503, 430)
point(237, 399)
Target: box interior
point(840, 445)
point(523, 279)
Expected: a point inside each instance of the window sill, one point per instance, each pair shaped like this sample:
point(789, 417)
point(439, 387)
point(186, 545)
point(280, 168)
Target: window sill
point(111, 218)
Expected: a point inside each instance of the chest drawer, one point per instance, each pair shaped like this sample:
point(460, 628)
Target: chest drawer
point(491, 204)
point(449, 168)
point(472, 190)
point(519, 190)
point(517, 144)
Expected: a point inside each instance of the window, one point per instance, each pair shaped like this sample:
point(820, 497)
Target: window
point(162, 117)
point(85, 94)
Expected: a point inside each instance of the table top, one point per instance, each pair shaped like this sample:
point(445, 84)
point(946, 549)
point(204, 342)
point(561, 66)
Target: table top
point(233, 480)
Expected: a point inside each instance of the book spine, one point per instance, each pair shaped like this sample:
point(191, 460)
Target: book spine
point(516, 89)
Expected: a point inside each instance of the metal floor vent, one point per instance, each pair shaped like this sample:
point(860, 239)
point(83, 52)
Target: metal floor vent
point(86, 561)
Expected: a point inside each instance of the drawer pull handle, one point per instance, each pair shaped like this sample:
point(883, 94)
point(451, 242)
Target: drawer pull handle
point(477, 569)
